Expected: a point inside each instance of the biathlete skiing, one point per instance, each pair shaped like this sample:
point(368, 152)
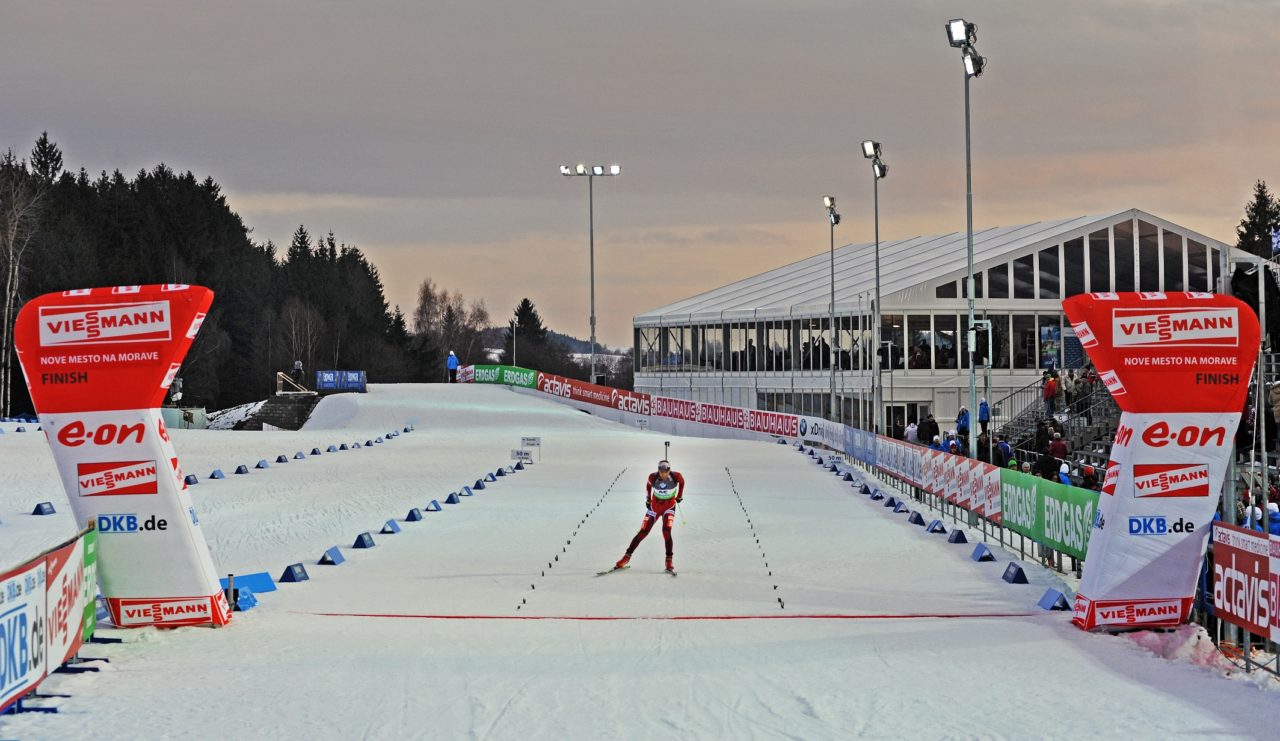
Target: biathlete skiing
point(663, 491)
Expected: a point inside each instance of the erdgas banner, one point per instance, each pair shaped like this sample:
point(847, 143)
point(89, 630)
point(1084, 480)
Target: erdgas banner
point(1178, 366)
point(98, 363)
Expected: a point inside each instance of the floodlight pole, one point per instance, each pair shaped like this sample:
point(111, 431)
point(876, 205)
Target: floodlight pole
point(879, 391)
point(591, 238)
point(831, 351)
point(971, 333)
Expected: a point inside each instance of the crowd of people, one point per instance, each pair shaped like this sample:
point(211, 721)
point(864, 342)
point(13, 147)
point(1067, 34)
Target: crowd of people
point(1046, 453)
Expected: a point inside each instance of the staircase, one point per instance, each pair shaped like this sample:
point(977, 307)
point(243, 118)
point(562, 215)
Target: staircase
point(288, 411)
point(1091, 420)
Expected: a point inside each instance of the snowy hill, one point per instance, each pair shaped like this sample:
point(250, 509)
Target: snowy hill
point(801, 610)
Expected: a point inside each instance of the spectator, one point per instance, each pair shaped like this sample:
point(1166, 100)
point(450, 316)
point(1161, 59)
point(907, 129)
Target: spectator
point(1273, 518)
point(1274, 398)
point(296, 373)
point(983, 452)
point(452, 365)
point(1089, 479)
point(1069, 387)
point(1042, 436)
point(1049, 392)
point(928, 429)
point(962, 422)
point(1058, 448)
point(1013, 464)
point(936, 444)
point(1047, 467)
point(1026, 467)
point(1064, 474)
point(913, 432)
point(1004, 452)
point(984, 414)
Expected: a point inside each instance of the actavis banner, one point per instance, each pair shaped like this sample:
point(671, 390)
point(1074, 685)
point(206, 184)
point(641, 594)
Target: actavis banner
point(98, 363)
point(1178, 366)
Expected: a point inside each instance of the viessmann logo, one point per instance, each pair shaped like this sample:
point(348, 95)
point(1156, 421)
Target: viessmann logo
point(1170, 480)
point(117, 478)
point(1176, 327)
point(101, 324)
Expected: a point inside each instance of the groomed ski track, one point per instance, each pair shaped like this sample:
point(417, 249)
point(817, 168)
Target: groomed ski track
point(802, 610)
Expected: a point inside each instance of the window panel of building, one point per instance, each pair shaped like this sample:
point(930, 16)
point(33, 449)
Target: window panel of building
point(946, 346)
point(711, 356)
point(1174, 265)
point(891, 338)
point(1124, 261)
point(998, 281)
point(919, 335)
point(1024, 276)
point(1197, 267)
point(946, 290)
point(1050, 352)
point(647, 347)
point(1148, 257)
point(1049, 283)
point(977, 285)
point(999, 340)
point(1073, 267)
point(848, 345)
point(1024, 341)
point(1099, 263)
point(1215, 269)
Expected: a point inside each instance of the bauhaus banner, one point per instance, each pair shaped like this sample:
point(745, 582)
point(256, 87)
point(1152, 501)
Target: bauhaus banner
point(98, 363)
point(1178, 366)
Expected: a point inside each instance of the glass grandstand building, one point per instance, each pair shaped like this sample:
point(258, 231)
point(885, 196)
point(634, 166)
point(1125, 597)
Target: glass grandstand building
point(766, 342)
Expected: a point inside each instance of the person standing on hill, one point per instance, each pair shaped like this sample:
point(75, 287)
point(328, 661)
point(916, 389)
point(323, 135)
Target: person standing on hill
point(663, 491)
point(451, 364)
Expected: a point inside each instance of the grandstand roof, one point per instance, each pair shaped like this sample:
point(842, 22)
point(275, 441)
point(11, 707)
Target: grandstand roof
point(909, 266)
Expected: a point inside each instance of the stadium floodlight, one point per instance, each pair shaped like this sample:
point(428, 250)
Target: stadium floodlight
point(591, 173)
point(974, 63)
point(879, 169)
point(829, 202)
point(870, 149)
point(961, 33)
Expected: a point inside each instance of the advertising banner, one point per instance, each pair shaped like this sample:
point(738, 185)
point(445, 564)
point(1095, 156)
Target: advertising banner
point(1242, 578)
point(1178, 366)
point(23, 652)
point(90, 621)
point(508, 375)
point(64, 567)
point(98, 363)
point(1273, 541)
point(1048, 512)
point(752, 420)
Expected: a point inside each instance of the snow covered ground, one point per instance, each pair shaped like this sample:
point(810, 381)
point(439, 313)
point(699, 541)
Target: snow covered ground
point(487, 620)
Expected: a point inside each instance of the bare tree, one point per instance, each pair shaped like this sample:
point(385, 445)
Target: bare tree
point(22, 196)
point(303, 327)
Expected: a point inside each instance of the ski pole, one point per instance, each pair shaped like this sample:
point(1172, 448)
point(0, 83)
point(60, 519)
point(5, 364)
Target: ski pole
point(666, 450)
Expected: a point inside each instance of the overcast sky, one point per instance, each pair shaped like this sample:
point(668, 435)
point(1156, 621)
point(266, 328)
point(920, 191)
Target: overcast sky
point(429, 134)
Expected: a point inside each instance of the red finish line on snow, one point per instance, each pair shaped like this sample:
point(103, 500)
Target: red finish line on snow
point(607, 618)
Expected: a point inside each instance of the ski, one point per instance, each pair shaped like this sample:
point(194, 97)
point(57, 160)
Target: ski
point(671, 571)
point(610, 571)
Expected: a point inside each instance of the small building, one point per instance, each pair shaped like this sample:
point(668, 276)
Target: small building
point(766, 342)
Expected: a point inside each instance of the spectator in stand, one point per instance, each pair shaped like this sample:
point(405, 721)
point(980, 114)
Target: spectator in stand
point(913, 432)
point(936, 444)
point(953, 446)
point(1089, 479)
point(1069, 387)
point(1042, 436)
point(1003, 452)
point(1013, 464)
point(296, 373)
point(1064, 474)
point(1060, 394)
point(1047, 467)
point(1273, 518)
point(983, 451)
point(1026, 467)
point(984, 414)
point(1049, 392)
point(451, 364)
point(1058, 448)
point(929, 429)
point(962, 422)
